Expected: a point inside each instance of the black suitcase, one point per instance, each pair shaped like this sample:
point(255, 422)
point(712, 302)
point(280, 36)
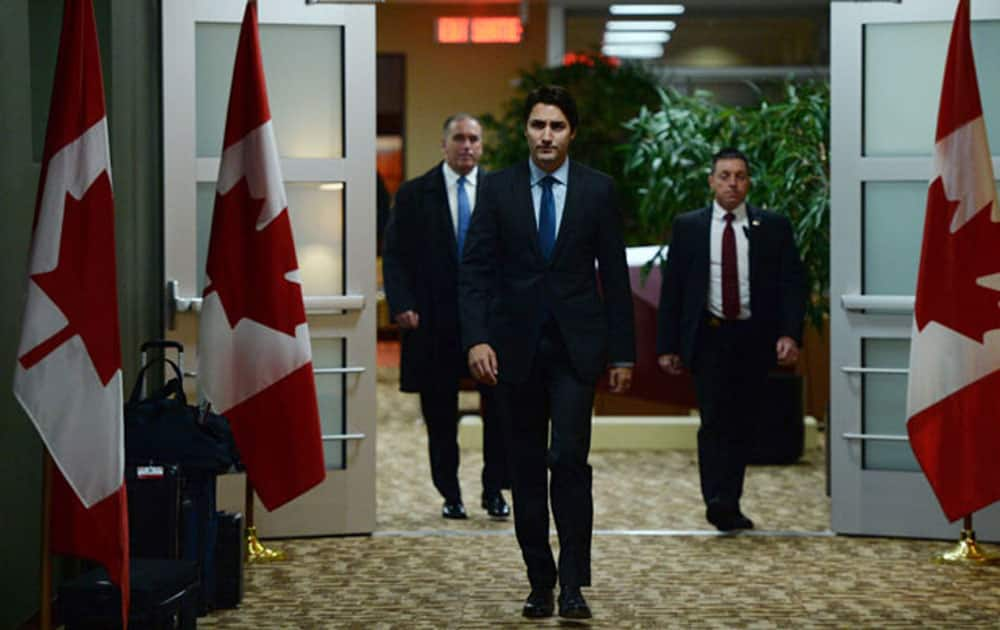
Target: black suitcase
point(199, 532)
point(164, 595)
point(230, 553)
point(154, 510)
point(779, 434)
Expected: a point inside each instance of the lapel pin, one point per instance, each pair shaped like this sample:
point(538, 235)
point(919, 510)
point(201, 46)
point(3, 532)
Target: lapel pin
point(755, 222)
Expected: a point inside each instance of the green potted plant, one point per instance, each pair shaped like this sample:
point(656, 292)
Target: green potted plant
point(669, 156)
point(607, 94)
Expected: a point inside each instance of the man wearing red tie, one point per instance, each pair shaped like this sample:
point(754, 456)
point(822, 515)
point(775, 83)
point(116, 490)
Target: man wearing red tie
point(731, 307)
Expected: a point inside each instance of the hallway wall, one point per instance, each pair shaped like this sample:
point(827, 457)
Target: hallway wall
point(129, 33)
point(479, 78)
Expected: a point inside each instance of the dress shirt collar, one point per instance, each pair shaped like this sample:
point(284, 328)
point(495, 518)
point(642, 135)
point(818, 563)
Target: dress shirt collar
point(451, 177)
point(719, 213)
point(561, 174)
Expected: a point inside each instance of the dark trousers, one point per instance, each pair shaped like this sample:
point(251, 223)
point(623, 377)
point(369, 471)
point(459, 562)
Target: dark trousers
point(439, 406)
point(553, 390)
point(729, 376)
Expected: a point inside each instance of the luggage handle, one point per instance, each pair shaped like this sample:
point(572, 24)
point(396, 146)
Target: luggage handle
point(163, 344)
point(140, 379)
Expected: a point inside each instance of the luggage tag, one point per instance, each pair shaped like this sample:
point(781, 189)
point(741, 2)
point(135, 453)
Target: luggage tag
point(149, 472)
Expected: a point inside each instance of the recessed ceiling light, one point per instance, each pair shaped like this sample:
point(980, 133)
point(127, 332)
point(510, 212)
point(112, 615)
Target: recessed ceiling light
point(640, 25)
point(636, 37)
point(633, 51)
point(646, 9)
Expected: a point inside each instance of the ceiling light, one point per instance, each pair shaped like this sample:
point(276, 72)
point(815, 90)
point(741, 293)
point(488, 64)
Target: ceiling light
point(633, 51)
point(637, 37)
point(640, 25)
point(646, 9)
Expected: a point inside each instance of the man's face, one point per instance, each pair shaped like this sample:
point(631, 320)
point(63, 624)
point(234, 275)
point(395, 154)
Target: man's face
point(549, 134)
point(463, 145)
point(730, 182)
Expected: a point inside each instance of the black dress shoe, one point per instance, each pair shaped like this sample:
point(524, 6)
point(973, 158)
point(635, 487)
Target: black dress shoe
point(572, 605)
point(539, 604)
point(495, 506)
point(740, 521)
point(727, 519)
point(453, 510)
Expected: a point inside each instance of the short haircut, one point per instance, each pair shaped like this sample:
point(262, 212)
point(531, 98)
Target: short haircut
point(456, 118)
point(730, 153)
point(553, 95)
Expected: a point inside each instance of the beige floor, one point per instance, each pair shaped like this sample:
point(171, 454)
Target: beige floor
point(656, 563)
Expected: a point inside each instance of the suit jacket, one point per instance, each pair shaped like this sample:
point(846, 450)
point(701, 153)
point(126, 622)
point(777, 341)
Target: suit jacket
point(420, 272)
point(777, 284)
point(508, 290)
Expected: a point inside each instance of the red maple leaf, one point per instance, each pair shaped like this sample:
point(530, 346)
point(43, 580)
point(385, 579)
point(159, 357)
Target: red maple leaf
point(247, 266)
point(950, 265)
point(83, 284)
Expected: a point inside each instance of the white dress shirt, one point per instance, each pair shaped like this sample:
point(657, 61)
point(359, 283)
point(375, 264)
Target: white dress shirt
point(451, 186)
point(741, 227)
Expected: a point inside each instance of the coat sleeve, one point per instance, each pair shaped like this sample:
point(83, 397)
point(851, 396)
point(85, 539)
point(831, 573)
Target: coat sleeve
point(478, 271)
point(613, 270)
point(399, 253)
point(668, 328)
point(792, 281)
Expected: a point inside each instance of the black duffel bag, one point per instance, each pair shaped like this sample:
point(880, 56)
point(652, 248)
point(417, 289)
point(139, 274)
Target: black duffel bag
point(164, 428)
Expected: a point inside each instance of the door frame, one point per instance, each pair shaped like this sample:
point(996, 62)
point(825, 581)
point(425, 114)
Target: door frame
point(865, 501)
point(345, 502)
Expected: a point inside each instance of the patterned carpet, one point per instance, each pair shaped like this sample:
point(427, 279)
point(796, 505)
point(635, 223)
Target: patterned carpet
point(656, 562)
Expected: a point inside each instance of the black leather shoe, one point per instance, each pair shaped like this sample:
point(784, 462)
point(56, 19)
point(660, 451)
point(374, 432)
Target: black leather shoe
point(495, 506)
point(740, 521)
point(727, 519)
point(539, 604)
point(572, 605)
point(453, 510)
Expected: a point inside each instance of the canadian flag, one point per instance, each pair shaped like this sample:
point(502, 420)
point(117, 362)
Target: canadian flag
point(953, 399)
point(68, 374)
point(255, 359)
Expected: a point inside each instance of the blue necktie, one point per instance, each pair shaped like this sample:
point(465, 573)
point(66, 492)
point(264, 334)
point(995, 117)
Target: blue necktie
point(547, 218)
point(464, 213)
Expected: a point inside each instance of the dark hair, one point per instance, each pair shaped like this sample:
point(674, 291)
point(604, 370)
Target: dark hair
point(553, 95)
point(456, 118)
point(730, 153)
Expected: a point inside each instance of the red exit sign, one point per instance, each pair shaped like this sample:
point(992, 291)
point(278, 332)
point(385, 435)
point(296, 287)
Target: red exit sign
point(478, 30)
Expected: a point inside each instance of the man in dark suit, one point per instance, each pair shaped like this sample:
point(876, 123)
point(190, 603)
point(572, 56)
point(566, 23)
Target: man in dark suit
point(423, 244)
point(539, 327)
point(731, 307)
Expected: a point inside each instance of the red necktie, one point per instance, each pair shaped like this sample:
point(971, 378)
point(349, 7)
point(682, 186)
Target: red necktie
point(730, 274)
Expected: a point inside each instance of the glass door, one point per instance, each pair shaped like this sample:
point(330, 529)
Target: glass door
point(319, 60)
point(887, 64)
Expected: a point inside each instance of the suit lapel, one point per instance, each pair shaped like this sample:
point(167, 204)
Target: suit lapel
point(753, 229)
point(524, 206)
point(441, 211)
point(572, 209)
point(703, 254)
point(705, 232)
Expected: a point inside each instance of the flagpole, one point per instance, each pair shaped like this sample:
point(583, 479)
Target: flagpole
point(256, 551)
point(968, 550)
point(45, 610)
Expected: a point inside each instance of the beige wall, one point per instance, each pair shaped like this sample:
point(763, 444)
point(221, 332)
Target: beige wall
point(443, 79)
